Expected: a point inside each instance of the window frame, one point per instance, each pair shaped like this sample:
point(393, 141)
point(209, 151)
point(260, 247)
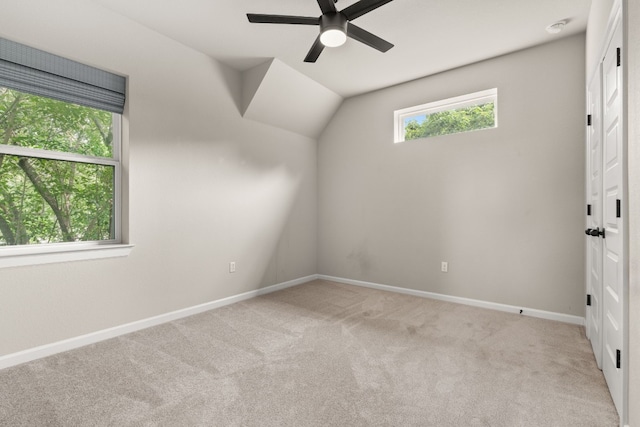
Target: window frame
point(21, 255)
point(454, 103)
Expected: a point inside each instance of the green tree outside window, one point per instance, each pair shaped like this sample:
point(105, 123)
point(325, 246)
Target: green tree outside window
point(51, 200)
point(451, 121)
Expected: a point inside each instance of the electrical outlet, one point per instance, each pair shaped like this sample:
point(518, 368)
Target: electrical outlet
point(444, 266)
point(232, 267)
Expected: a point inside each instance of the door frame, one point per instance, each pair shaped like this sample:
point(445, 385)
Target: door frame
point(616, 19)
point(594, 209)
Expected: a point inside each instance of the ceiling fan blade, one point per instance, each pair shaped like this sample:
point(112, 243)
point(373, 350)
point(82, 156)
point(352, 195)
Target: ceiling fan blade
point(327, 6)
point(282, 19)
point(363, 6)
point(315, 51)
point(367, 38)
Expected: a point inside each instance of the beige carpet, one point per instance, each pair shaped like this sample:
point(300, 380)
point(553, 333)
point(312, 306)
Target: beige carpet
point(321, 354)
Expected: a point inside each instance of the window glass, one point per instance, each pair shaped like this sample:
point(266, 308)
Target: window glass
point(38, 122)
point(59, 164)
point(461, 114)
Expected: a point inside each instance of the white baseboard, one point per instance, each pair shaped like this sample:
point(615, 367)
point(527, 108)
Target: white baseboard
point(105, 334)
point(566, 318)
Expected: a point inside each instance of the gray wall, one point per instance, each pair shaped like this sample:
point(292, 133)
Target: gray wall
point(206, 186)
point(505, 207)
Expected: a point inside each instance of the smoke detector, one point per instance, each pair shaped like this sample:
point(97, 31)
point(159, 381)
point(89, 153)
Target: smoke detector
point(556, 27)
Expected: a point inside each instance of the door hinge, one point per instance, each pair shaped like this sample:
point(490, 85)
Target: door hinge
point(618, 209)
point(618, 359)
point(619, 57)
point(588, 119)
point(589, 300)
point(588, 210)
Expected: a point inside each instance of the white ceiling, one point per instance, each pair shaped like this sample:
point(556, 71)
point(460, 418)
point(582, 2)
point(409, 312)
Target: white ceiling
point(430, 36)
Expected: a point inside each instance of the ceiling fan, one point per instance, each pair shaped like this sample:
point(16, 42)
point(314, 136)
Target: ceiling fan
point(335, 26)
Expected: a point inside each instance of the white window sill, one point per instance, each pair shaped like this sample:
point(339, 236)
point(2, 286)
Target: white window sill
point(23, 256)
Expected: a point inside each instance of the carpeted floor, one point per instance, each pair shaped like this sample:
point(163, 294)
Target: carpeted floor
point(321, 354)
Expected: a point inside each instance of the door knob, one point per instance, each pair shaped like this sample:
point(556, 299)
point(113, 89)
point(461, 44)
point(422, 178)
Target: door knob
point(595, 232)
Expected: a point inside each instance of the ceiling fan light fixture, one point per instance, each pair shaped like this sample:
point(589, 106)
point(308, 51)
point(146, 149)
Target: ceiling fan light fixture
point(333, 38)
point(333, 29)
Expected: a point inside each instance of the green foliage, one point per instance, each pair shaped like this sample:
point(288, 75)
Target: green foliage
point(451, 121)
point(50, 201)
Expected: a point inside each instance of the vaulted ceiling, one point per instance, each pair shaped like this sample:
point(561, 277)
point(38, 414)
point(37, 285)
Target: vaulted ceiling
point(430, 36)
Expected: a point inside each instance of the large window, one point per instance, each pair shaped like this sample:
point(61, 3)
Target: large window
point(464, 113)
point(58, 171)
point(60, 144)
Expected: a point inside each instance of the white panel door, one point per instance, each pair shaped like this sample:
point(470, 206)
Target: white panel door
point(594, 218)
point(612, 193)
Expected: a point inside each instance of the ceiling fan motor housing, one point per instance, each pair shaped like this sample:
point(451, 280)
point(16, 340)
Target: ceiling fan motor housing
point(333, 21)
point(333, 29)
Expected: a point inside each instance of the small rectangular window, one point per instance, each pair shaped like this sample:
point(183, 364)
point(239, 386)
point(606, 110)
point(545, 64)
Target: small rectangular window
point(464, 113)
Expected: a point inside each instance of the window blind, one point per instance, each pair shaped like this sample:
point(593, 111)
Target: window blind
point(40, 73)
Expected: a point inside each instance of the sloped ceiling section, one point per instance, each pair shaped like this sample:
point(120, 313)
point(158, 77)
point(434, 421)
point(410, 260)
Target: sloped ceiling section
point(276, 94)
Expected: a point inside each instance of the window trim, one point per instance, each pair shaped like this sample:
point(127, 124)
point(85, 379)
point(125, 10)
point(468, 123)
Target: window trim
point(20, 256)
point(23, 255)
point(454, 103)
